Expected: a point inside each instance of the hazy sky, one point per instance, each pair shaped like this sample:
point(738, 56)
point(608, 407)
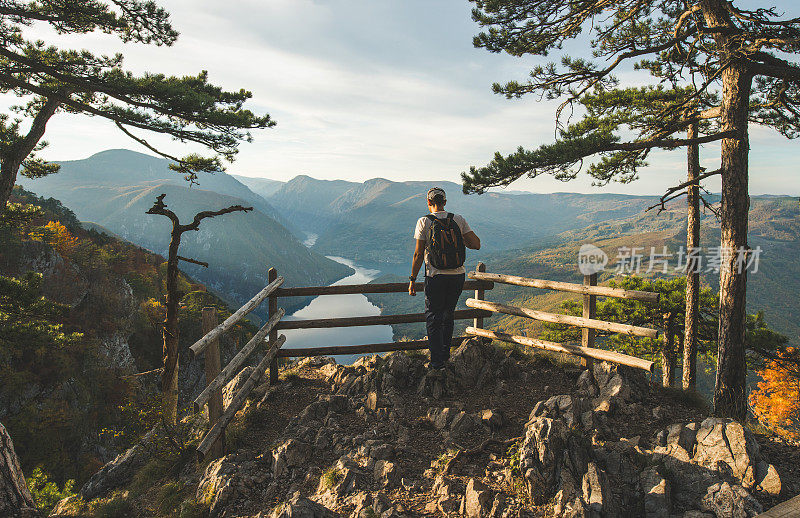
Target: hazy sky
point(373, 88)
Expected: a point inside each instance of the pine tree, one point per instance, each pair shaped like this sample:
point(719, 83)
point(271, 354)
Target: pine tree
point(728, 62)
point(51, 80)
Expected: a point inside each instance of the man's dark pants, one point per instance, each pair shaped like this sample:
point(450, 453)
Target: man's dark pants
point(441, 296)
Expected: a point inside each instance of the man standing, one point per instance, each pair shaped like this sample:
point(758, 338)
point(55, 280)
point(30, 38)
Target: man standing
point(441, 241)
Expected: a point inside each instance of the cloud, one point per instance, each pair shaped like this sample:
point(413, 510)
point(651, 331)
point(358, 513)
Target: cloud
point(366, 89)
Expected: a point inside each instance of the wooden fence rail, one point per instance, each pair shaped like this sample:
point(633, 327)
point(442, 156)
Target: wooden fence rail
point(375, 320)
point(557, 318)
point(604, 291)
point(354, 289)
point(200, 345)
point(405, 345)
point(584, 352)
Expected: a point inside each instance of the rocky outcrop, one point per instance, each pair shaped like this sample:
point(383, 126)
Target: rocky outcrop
point(692, 469)
point(353, 450)
point(15, 499)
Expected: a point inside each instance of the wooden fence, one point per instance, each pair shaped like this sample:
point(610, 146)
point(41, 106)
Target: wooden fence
point(212, 443)
point(587, 322)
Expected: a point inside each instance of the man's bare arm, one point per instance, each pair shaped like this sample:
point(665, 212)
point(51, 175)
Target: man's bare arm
point(416, 264)
point(471, 240)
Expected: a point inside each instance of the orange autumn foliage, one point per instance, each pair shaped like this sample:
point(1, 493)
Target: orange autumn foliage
point(58, 236)
point(776, 402)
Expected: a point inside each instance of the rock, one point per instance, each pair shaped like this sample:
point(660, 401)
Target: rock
point(446, 497)
point(381, 503)
point(596, 494)
point(433, 384)
point(471, 363)
point(767, 479)
point(726, 444)
point(697, 514)
point(659, 412)
point(493, 418)
point(497, 506)
point(15, 498)
point(477, 499)
point(386, 474)
point(563, 406)
point(465, 424)
point(656, 490)
point(441, 417)
point(372, 401)
point(121, 470)
point(684, 436)
point(233, 386)
point(290, 453)
point(729, 501)
point(586, 386)
point(215, 485)
point(299, 507)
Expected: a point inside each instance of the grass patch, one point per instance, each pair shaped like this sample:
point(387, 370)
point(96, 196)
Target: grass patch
point(236, 431)
point(330, 478)
point(169, 497)
point(369, 512)
point(416, 353)
point(118, 505)
point(148, 476)
point(193, 509)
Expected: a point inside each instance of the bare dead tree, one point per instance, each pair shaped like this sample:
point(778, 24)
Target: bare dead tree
point(169, 376)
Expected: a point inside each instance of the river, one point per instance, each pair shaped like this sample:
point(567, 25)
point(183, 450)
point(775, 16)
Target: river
point(332, 306)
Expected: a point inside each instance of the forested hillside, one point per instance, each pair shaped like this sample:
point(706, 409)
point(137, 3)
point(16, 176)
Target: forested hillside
point(115, 188)
point(80, 311)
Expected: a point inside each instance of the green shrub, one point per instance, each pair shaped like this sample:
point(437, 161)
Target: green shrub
point(330, 478)
point(45, 492)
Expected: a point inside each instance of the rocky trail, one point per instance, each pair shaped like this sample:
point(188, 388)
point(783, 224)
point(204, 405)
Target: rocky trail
point(498, 433)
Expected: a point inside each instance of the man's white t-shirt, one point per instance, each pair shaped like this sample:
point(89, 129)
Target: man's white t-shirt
point(421, 232)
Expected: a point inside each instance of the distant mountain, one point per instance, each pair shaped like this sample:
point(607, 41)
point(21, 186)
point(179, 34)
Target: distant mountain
point(115, 188)
point(264, 187)
point(374, 220)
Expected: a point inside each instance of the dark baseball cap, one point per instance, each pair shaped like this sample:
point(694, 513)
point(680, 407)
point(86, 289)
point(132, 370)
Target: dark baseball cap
point(436, 191)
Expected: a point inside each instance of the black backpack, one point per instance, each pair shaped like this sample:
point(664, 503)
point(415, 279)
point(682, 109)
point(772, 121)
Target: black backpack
point(444, 243)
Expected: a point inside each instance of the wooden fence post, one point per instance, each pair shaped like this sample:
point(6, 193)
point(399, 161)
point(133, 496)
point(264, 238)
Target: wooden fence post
point(589, 310)
point(273, 335)
point(212, 368)
point(478, 322)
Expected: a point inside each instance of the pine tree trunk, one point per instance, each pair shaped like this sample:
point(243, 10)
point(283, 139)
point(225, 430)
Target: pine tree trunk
point(668, 352)
point(8, 176)
point(692, 272)
point(15, 498)
point(21, 150)
point(169, 378)
point(729, 391)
